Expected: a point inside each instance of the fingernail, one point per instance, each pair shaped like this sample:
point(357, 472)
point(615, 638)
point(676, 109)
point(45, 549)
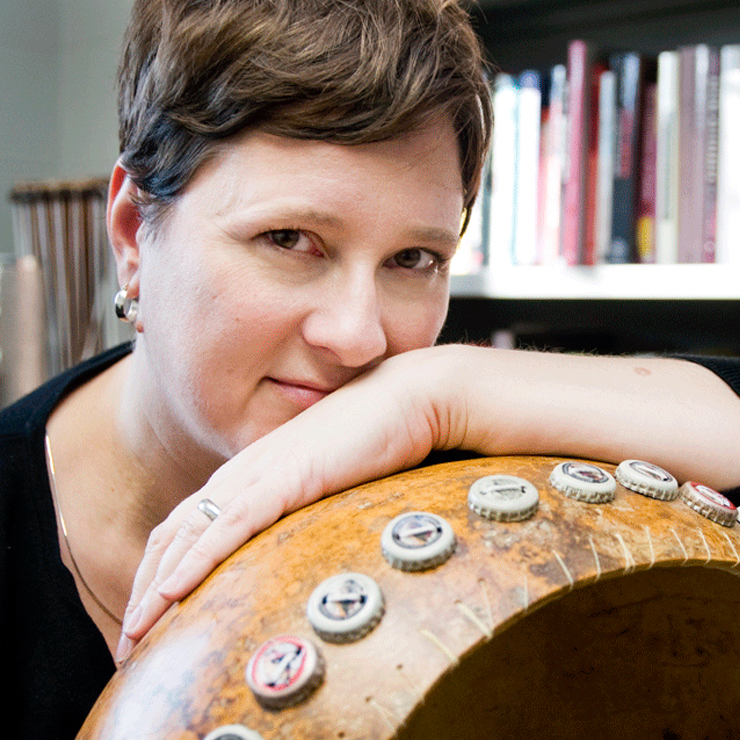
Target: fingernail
point(131, 621)
point(125, 646)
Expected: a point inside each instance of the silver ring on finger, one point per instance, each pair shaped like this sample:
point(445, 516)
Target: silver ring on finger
point(210, 509)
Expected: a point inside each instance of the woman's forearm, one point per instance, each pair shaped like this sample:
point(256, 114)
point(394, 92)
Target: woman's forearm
point(674, 413)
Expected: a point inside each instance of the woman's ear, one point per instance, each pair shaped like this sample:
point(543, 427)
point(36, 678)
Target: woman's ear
point(123, 220)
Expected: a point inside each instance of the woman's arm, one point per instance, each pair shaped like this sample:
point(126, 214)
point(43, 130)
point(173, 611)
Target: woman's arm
point(671, 412)
point(674, 413)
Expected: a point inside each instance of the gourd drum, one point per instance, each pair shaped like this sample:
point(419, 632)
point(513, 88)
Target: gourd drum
point(617, 619)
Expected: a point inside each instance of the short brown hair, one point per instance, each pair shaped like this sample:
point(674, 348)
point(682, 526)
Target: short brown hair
point(195, 72)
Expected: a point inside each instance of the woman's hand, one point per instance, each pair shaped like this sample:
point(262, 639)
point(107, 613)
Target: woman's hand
point(383, 421)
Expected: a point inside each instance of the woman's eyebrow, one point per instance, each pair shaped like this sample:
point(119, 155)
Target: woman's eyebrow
point(431, 235)
point(285, 214)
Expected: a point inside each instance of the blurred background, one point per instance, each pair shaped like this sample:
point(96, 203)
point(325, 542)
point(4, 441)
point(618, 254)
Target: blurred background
point(58, 143)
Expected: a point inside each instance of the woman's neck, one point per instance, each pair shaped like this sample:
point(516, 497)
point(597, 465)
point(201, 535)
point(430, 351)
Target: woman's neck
point(114, 481)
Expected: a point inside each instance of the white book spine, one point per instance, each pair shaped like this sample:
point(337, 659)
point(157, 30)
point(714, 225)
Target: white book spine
point(728, 173)
point(605, 164)
point(529, 114)
point(666, 163)
point(503, 169)
point(468, 257)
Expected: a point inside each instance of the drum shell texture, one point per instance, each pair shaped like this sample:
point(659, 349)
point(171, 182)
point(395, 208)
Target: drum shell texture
point(611, 620)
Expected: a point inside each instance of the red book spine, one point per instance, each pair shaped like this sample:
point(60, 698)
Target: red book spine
point(588, 256)
point(575, 184)
point(646, 201)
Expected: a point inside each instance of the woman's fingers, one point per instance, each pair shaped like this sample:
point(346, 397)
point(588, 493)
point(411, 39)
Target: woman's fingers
point(166, 546)
point(234, 526)
point(180, 554)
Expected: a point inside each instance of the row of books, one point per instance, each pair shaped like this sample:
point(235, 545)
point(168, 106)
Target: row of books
point(613, 159)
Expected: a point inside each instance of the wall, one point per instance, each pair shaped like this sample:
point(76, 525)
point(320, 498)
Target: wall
point(29, 51)
point(90, 40)
point(57, 101)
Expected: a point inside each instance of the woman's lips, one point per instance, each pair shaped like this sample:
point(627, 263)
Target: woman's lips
point(301, 394)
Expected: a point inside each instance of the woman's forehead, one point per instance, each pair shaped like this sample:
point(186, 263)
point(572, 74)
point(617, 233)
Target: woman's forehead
point(258, 168)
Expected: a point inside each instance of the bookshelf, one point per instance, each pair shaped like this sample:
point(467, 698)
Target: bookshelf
point(525, 33)
point(632, 307)
point(603, 282)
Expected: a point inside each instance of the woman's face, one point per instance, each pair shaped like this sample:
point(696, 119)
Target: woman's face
point(289, 267)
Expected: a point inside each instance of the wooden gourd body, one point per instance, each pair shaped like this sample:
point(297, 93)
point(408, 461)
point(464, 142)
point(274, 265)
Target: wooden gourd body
point(613, 620)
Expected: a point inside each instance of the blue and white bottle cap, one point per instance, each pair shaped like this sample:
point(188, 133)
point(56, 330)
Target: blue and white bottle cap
point(345, 607)
point(417, 540)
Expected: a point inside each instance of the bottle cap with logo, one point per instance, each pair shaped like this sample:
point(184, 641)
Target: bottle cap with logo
point(417, 541)
point(345, 607)
point(284, 671)
point(583, 482)
point(647, 479)
point(709, 503)
point(503, 498)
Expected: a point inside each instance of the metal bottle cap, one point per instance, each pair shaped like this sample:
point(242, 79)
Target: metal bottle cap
point(709, 503)
point(504, 498)
point(345, 607)
point(647, 479)
point(583, 482)
point(284, 671)
point(417, 541)
point(233, 732)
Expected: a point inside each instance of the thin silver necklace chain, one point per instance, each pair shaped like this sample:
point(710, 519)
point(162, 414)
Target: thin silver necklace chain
point(55, 498)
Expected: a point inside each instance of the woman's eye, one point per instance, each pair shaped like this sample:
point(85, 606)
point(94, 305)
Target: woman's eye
point(292, 240)
point(286, 238)
point(417, 259)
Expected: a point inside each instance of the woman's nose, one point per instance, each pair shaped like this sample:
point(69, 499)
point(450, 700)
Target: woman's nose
point(347, 321)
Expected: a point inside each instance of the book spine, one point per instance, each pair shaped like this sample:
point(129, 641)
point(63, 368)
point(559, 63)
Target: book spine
point(697, 67)
point(470, 253)
point(592, 161)
point(645, 223)
point(553, 165)
point(628, 69)
point(503, 169)
point(711, 142)
point(728, 174)
point(666, 160)
point(575, 186)
point(606, 163)
point(529, 113)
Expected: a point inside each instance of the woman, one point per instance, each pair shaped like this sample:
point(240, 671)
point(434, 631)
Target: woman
point(292, 181)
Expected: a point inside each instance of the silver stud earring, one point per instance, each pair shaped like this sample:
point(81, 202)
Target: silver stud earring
point(126, 308)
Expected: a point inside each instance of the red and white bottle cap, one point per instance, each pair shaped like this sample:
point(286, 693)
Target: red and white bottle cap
point(284, 671)
point(709, 503)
